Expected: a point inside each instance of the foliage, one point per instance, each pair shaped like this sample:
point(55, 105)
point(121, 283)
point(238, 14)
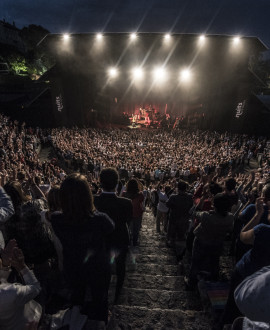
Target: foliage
point(17, 64)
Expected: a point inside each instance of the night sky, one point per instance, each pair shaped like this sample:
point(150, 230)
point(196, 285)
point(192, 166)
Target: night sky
point(240, 17)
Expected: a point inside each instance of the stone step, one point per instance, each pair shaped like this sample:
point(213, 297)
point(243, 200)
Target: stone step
point(153, 269)
point(160, 299)
point(141, 318)
point(147, 250)
point(151, 259)
point(151, 242)
point(155, 282)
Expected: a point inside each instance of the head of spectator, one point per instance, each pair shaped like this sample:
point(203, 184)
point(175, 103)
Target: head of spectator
point(230, 185)
point(21, 176)
point(109, 179)
point(76, 198)
point(54, 199)
point(215, 188)
point(222, 204)
point(132, 187)
point(15, 192)
point(182, 186)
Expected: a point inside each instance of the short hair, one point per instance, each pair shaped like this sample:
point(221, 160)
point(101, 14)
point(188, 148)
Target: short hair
point(109, 178)
point(182, 185)
point(215, 188)
point(76, 198)
point(222, 204)
point(230, 184)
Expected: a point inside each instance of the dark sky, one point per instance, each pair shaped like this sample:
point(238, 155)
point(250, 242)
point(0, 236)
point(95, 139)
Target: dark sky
point(241, 17)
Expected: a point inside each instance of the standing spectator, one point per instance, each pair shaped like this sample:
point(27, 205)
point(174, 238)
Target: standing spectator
point(137, 199)
point(179, 206)
point(209, 237)
point(162, 209)
point(120, 211)
point(83, 233)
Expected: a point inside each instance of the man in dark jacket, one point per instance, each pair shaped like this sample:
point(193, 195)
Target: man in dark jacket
point(120, 211)
point(179, 206)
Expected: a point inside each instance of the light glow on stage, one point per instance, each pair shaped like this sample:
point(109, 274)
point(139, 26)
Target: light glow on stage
point(133, 36)
point(167, 36)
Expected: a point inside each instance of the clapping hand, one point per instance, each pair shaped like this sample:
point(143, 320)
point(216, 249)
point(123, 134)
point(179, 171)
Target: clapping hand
point(18, 259)
point(7, 253)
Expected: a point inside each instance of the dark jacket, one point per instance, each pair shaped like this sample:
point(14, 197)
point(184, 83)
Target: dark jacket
point(119, 209)
point(85, 252)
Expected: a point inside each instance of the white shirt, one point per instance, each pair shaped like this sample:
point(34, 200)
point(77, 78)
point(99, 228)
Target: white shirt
point(16, 305)
point(162, 202)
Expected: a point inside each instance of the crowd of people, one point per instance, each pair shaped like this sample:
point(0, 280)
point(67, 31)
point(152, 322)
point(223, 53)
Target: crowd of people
point(65, 221)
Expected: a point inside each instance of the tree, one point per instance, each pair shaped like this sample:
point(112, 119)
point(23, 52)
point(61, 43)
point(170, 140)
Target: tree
point(17, 64)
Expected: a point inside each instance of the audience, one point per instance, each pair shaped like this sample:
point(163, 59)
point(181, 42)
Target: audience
point(52, 224)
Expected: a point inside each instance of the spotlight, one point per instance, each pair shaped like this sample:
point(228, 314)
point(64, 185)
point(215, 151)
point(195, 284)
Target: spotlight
point(137, 73)
point(113, 72)
point(133, 36)
point(236, 40)
point(99, 36)
point(160, 74)
point(185, 75)
point(167, 36)
point(66, 36)
point(202, 39)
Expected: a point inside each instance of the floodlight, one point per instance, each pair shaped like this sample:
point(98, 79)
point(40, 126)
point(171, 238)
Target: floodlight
point(167, 36)
point(99, 36)
point(133, 36)
point(66, 36)
point(202, 39)
point(137, 73)
point(160, 74)
point(185, 75)
point(236, 40)
point(113, 72)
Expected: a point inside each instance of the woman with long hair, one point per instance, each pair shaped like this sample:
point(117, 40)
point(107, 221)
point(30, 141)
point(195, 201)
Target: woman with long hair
point(83, 232)
point(133, 192)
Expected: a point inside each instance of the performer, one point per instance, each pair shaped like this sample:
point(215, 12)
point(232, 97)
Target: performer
point(147, 119)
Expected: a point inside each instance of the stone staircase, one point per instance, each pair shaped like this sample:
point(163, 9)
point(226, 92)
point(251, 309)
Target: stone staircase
point(154, 296)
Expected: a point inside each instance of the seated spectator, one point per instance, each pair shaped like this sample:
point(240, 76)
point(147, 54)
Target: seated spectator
point(83, 233)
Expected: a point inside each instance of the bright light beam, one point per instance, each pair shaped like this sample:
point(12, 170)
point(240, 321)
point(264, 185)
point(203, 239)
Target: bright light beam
point(160, 74)
point(236, 40)
point(137, 73)
point(185, 75)
point(66, 36)
point(202, 39)
point(99, 36)
point(113, 72)
point(133, 36)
